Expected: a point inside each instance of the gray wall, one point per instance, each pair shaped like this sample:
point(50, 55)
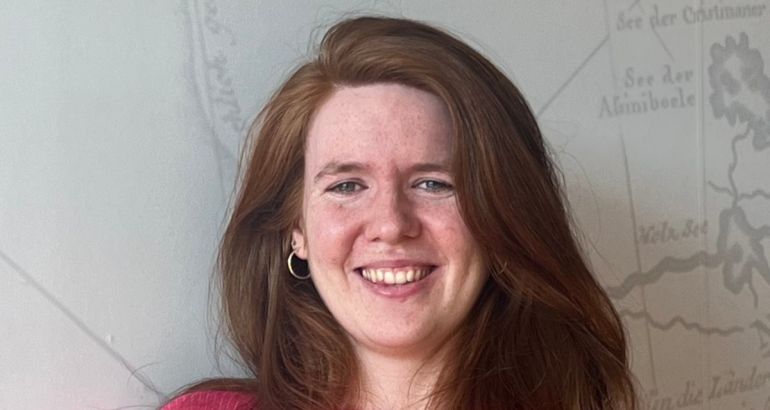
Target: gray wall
point(120, 123)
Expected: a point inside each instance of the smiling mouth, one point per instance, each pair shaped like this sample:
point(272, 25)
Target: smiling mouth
point(398, 276)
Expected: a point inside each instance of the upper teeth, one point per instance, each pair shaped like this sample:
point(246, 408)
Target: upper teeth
point(395, 276)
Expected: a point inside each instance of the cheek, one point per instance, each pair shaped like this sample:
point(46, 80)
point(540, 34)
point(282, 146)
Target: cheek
point(331, 231)
point(449, 227)
point(459, 243)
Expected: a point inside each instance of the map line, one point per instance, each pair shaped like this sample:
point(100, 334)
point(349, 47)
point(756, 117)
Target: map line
point(573, 75)
point(654, 30)
point(754, 194)
point(720, 189)
point(707, 330)
point(80, 324)
point(632, 211)
point(663, 44)
point(668, 264)
point(761, 329)
point(734, 164)
point(700, 125)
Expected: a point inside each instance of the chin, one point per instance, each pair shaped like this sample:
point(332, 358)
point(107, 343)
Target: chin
point(399, 341)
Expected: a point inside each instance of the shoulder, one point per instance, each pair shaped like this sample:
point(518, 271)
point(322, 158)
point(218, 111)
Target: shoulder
point(213, 400)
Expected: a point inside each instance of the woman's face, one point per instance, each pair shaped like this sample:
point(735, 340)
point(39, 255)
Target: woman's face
point(387, 248)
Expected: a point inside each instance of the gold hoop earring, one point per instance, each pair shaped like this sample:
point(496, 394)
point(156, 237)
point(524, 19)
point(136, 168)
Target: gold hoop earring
point(503, 269)
point(291, 268)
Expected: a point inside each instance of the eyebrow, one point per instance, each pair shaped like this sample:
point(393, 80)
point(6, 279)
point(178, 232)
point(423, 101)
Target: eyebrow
point(335, 167)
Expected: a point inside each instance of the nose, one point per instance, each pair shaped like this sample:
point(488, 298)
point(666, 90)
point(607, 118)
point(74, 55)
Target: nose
point(392, 218)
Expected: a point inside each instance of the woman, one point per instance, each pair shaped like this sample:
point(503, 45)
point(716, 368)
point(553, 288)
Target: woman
point(400, 240)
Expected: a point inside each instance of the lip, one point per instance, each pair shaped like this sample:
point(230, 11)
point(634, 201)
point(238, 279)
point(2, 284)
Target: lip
point(395, 264)
point(398, 292)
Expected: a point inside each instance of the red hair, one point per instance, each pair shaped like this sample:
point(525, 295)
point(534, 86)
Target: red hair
point(542, 335)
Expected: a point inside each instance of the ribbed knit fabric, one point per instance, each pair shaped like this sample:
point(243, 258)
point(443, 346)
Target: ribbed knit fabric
point(212, 400)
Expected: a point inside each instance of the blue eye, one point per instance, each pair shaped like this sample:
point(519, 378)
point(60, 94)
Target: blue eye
point(432, 185)
point(346, 187)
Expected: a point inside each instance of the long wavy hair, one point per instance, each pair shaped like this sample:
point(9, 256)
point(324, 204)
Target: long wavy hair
point(542, 335)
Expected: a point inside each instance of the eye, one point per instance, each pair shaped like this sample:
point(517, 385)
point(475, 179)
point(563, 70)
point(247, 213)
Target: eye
point(346, 187)
point(432, 185)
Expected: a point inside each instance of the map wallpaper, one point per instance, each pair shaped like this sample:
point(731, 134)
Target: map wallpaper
point(658, 114)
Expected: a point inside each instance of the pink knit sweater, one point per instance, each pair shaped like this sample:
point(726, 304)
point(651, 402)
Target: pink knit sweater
point(212, 400)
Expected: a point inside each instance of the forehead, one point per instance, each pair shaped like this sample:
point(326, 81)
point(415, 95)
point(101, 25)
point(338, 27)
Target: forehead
point(379, 122)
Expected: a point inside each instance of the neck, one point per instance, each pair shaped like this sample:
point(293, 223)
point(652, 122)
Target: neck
point(397, 381)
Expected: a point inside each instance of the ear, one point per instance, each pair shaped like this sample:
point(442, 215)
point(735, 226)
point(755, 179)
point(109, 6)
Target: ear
point(298, 243)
